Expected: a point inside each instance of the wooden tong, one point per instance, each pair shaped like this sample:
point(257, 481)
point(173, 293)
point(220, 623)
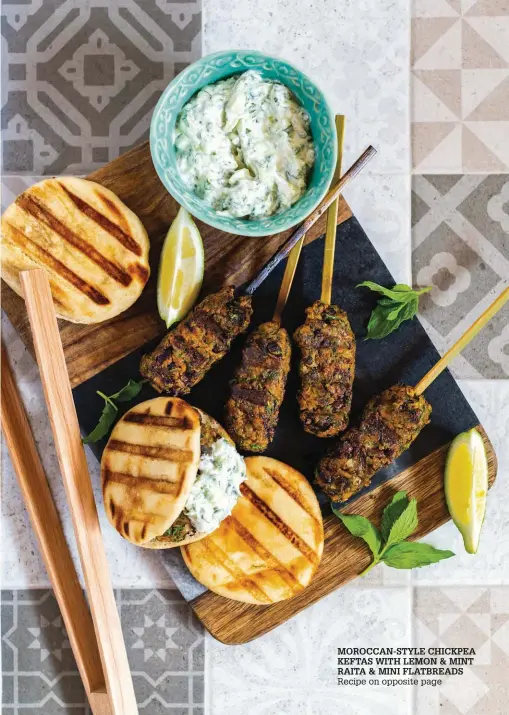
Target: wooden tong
point(54, 550)
point(95, 635)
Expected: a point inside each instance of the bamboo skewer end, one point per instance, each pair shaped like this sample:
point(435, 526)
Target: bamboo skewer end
point(461, 344)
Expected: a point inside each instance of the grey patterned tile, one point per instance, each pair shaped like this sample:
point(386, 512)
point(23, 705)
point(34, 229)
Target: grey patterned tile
point(164, 642)
point(81, 79)
point(460, 237)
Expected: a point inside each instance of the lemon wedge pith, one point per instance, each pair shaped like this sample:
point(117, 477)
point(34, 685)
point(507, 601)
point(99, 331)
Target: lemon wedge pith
point(180, 269)
point(466, 486)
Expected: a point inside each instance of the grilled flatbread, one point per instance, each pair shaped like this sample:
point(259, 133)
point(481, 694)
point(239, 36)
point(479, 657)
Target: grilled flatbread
point(182, 531)
point(148, 467)
point(94, 249)
point(268, 550)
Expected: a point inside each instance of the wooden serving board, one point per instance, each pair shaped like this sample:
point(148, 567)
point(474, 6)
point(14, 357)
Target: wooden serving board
point(405, 356)
point(344, 556)
point(107, 354)
point(228, 259)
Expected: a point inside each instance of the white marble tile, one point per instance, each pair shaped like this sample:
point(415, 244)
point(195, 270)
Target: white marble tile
point(381, 203)
point(21, 565)
point(294, 667)
point(490, 401)
point(358, 55)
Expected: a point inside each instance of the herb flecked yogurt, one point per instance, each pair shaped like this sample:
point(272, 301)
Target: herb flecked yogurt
point(217, 486)
point(244, 146)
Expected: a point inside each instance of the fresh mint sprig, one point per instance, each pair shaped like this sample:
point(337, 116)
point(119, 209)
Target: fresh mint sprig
point(110, 409)
point(388, 544)
point(398, 304)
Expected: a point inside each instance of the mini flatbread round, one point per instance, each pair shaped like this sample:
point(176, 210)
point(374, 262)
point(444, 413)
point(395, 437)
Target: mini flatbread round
point(182, 531)
point(148, 467)
point(270, 546)
point(93, 248)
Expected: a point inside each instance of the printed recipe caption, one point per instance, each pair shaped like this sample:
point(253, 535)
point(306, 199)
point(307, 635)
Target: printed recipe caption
point(400, 666)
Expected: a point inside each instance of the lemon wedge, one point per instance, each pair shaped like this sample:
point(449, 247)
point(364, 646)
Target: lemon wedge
point(180, 269)
point(466, 486)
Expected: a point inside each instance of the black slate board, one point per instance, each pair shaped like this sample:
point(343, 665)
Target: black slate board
point(405, 356)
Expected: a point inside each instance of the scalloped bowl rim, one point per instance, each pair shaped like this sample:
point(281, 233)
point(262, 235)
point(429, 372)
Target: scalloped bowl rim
point(196, 206)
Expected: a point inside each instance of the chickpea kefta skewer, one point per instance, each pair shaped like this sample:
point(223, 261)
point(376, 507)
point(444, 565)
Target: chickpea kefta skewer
point(189, 350)
point(390, 423)
point(257, 389)
point(327, 345)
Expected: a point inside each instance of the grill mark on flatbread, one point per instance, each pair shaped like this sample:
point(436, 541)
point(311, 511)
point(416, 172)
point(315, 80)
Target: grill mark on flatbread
point(115, 210)
point(42, 214)
point(160, 484)
point(58, 267)
point(280, 525)
point(139, 271)
point(166, 454)
point(112, 228)
point(291, 491)
point(216, 554)
point(143, 418)
point(272, 562)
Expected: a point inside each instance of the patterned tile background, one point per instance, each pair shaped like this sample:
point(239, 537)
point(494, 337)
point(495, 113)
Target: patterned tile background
point(295, 666)
point(460, 67)
point(165, 647)
point(460, 241)
point(80, 80)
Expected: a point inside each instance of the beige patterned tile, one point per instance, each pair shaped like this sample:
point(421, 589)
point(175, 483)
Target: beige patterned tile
point(473, 617)
point(460, 86)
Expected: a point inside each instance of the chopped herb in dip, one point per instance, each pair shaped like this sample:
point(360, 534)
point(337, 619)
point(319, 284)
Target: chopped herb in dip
point(217, 486)
point(244, 146)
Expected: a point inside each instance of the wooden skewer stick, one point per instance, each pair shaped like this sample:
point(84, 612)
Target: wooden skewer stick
point(467, 336)
point(285, 249)
point(53, 546)
point(332, 220)
point(286, 284)
point(78, 487)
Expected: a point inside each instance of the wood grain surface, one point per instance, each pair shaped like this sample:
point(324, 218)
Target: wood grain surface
point(344, 556)
point(79, 493)
point(52, 544)
point(232, 259)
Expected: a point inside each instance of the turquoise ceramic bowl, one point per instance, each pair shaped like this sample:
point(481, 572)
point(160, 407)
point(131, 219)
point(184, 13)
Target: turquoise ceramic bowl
point(219, 66)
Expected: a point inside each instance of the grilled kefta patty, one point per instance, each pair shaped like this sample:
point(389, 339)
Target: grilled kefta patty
point(326, 369)
point(187, 352)
point(258, 388)
point(390, 423)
